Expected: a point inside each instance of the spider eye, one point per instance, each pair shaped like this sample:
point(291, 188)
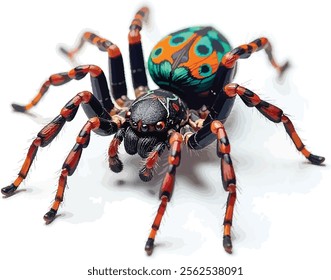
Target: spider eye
point(134, 124)
point(160, 126)
point(144, 127)
point(128, 115)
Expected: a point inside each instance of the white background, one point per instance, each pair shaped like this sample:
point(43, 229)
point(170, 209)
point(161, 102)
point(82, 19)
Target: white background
point(281, 227)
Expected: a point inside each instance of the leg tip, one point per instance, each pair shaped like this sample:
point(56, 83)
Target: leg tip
point(145, 174)
point(115, 165)
point(18, 108)
point(149, 247)
point(116, 168)
point(9, 190)
point(63, 51)
point(50, 216)
point(227, 243)
point(66, 53)
point(283, 68)
point(316, 159)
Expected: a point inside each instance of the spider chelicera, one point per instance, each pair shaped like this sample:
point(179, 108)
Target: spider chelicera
point(194, 68)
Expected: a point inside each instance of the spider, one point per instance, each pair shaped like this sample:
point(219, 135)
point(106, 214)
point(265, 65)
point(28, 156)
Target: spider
point(194, 69)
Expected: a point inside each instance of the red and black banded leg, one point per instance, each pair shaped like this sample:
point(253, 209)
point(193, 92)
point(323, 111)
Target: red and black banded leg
point(115, 62)
point(98, 81)
point(70, 164)
point(146, 173)
point(274, 114)
point(230, 59)
point(101, 43)
point(51, 130)
point(223, 104)
point(167, 187)
point(137, 63)
point(228, 180)
point(244, 51)
point(115, 164)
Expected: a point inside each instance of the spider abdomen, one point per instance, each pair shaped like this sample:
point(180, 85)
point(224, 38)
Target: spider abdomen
point(185, 62)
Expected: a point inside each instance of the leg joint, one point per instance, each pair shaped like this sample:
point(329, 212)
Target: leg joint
point(113, 51)
point(215, 126)
point(59, 198)
point(227, 222)
point(85, 96)
point(231, 188)
point(231, 89)
point(155, 227)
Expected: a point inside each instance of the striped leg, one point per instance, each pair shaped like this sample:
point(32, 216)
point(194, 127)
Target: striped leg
point(115, 63)
point(146, 172)
point(51, 130)
point(101, 43)
point(222, 106)
point(98, 80)
point(274, 114)
point(228, 180)
point(167, 187)
point(244, 51)
point(72, 160)
point(137, 63)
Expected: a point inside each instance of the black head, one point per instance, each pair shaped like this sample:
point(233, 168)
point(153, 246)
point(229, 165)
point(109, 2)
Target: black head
point(151, 116)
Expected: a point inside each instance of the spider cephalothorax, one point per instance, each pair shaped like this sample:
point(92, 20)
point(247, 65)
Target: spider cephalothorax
point(151, 116)
point(194, 68)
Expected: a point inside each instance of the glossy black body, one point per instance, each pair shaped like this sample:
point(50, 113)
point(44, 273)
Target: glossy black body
point(145, 112)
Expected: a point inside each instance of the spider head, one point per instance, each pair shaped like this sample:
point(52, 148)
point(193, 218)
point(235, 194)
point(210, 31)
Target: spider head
point(151, 116)
point(148, 116)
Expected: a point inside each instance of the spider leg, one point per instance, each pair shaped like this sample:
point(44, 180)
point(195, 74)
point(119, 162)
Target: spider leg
point(72, 160)
point(137, 63)
point(167, 187)
point(274, 114)
point(228, 179)
point(223, 103)
point(230, 59)
point(98, 81)
point(115, 64)
point(146, 172)
point(228, 175)
point(106, 127)
point(115, 59)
